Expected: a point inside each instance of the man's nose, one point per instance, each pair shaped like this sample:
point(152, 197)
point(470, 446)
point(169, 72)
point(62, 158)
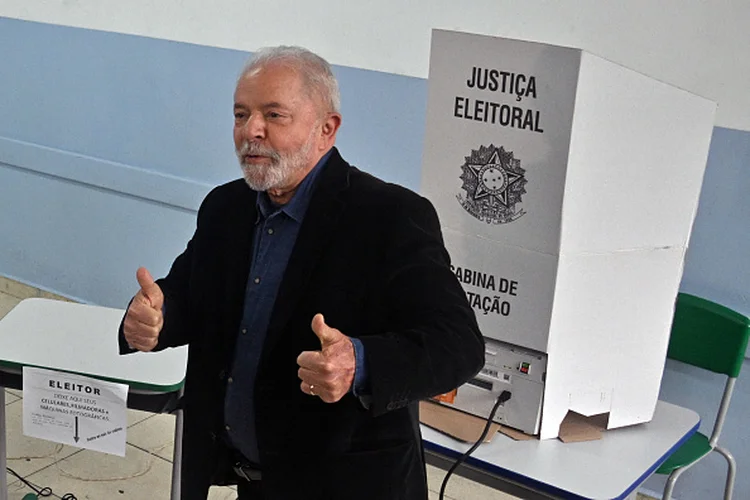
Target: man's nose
point(254, 127)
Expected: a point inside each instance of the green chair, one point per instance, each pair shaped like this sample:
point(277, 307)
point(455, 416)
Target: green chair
point(712, 337)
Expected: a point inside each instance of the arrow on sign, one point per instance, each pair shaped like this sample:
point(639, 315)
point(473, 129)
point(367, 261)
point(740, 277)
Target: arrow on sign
point(76, 436)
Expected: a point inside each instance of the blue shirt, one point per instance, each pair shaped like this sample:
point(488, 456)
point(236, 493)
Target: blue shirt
point(276, 230)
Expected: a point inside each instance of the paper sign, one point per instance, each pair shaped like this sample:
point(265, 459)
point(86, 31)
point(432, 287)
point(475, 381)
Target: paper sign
point(499, 118)
point(75, 410)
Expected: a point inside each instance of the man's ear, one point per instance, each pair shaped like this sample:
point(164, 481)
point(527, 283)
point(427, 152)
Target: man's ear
point(329, 128)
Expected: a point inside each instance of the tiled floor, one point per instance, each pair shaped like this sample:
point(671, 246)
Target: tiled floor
point(145, 471)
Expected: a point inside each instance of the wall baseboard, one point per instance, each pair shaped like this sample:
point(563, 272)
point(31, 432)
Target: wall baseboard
point(646, 494)
point(21, 290)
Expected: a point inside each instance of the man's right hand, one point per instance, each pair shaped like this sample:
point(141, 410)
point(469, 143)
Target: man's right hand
point(144, 319)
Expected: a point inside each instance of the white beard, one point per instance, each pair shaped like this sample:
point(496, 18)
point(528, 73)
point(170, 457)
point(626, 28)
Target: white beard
point(276, 174)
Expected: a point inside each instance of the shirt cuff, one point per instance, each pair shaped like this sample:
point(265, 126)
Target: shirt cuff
point(361, 385)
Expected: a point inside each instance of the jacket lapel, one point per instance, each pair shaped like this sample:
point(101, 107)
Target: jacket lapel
point(317, 228)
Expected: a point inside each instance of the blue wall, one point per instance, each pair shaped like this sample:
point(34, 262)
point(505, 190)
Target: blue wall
point(108, 143)
point(717, 260)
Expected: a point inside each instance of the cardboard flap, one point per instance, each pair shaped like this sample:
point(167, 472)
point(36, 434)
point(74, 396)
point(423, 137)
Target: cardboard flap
point(463, 426)
point(576, 427)
point(456, 424)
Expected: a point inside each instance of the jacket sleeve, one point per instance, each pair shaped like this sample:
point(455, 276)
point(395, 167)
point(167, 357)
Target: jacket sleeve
point(432, 343)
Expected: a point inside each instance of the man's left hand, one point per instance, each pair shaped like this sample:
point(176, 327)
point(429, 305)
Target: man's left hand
point(328, 373)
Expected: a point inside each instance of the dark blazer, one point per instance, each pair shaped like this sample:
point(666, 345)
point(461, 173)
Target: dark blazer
point(370, 257)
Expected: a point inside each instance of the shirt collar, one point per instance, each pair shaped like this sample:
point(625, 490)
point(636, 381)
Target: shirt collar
point(297, 206)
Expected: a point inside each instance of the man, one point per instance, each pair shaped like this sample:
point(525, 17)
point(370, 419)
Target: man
point(318, 304)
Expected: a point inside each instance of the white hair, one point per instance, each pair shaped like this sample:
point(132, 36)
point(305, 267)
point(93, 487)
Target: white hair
point(316, 73)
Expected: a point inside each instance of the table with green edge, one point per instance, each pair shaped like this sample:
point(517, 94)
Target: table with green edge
point(82, 339)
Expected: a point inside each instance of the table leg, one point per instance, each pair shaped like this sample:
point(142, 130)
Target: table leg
point(177, 456)
point(3, 463)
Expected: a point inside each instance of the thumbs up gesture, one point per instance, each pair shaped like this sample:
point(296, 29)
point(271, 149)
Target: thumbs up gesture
point(144, 319)
point(329, 372)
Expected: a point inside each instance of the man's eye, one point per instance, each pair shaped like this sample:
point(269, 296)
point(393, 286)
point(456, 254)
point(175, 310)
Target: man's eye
point(274, 114)
point(239, 116)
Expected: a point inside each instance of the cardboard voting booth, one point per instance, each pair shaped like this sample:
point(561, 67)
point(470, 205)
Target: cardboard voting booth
point(566, 186)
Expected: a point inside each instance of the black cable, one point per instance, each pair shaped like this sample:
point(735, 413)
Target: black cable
point(44, 492)
point(502, 398)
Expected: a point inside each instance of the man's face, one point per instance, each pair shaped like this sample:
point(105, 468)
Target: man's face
point(276, 128)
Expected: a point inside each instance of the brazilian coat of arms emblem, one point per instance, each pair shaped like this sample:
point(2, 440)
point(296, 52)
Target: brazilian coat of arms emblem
point(493, 183)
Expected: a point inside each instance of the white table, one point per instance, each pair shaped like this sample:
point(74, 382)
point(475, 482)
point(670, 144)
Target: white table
point(610, 468)
point(82, 339)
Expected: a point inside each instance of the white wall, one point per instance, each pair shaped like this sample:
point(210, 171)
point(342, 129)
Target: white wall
point(698, 45)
